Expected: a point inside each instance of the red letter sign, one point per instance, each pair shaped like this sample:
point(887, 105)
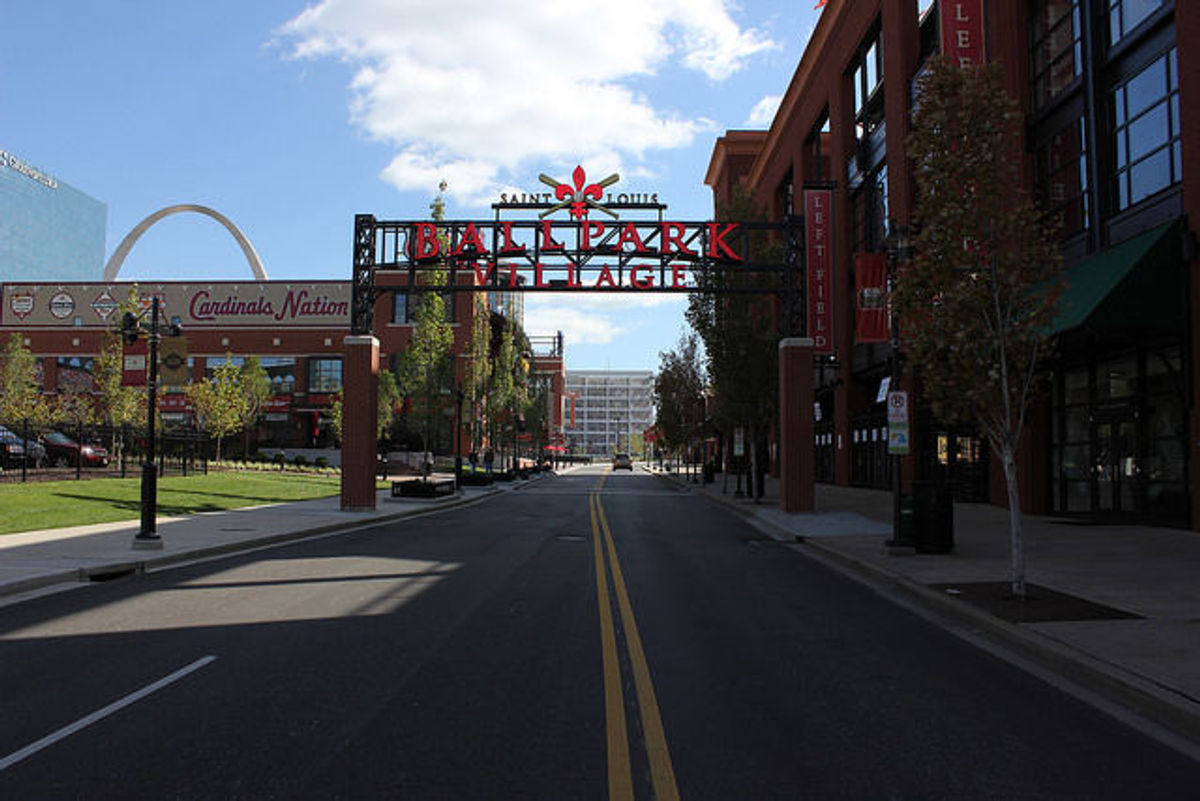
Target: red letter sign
point(962, 31)
point(818, 230)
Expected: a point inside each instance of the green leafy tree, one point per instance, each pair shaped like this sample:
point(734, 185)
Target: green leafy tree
point(219, 402)
point(740, 333)
point(389, 396)
point(256, 391)
point(425, 367)
point(20, 396)
point(679, 393)
point(977, 299)
point(117, 405)
point(478, 367)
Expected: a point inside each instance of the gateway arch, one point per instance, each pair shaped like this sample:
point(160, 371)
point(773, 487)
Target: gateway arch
point(118, 257)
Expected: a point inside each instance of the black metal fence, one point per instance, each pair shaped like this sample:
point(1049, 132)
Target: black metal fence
point(31, 451)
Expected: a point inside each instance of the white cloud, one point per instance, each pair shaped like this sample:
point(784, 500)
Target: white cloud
point(472, 90)
point(594, 318)
point(763, 112)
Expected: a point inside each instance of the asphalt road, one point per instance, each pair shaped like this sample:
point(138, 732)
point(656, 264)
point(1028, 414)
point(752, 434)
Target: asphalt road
point(593, 636)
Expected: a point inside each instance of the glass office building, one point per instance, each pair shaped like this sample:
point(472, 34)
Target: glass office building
point(49, 231)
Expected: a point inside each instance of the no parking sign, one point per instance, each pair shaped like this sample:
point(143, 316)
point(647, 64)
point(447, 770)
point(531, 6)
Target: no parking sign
point(897, 415)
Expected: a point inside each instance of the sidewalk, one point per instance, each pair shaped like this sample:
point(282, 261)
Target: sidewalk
point(36, 559)
point(1148, 662)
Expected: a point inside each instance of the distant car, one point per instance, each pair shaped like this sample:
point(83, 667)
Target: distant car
point(62, 451)
point(622, 462)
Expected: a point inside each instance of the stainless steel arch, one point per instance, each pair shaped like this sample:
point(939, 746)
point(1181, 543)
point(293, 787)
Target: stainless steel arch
point(118, 257)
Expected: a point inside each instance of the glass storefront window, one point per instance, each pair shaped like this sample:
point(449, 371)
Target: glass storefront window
point(1062, 174)
point(281, 372)
point(1116, 378)
point(1057, 50)
point(1075, 385)
point(1125, 15)
point(324, 375)
point(1146, 132)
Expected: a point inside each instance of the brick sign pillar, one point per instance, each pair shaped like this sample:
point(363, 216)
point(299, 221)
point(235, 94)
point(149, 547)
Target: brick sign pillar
point(796, 452)
point(360, 410)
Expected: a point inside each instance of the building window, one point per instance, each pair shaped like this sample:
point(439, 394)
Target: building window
point(1146, 132)
point(1125, 15)
point(1062, 171)
point(404, 307)
point(324, 375)
point(75, 374)
point(867, 73)
point(1057, 51)
point(281, 372)
point(212, 363)
point(871, 213)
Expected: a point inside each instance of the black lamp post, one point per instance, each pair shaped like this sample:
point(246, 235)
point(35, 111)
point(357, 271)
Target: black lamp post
point(898, 246)
point(458, 422)
point(147, 537)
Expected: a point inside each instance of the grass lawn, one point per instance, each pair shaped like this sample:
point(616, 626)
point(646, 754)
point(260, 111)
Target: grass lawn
point(54, 504)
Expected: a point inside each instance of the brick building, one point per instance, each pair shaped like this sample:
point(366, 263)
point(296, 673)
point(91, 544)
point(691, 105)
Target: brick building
point(295, 328)
point(1112, 145)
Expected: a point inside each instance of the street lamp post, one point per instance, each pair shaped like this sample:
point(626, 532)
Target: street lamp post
point(898, 245)
point(147, 537)
point(458, 422)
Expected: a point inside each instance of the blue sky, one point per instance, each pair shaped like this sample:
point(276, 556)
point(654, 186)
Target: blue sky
point(290, 117)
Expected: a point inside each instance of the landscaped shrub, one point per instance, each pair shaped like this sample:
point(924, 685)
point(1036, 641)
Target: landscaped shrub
point(321, 462)
point(300, 460)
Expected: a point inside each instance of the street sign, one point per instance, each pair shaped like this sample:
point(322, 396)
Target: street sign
point(897, 407)
point(739, 442)
point(898, 439)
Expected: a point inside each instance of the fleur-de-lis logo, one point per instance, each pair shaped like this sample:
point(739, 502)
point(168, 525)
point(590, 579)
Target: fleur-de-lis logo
point(582, 196)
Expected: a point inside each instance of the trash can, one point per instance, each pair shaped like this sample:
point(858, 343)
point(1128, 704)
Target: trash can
point(933, 517)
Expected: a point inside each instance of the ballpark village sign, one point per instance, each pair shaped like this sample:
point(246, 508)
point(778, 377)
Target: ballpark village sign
point(588, 247)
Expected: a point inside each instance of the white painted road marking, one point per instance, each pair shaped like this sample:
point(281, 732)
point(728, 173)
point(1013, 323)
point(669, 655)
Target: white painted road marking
point(100, 714)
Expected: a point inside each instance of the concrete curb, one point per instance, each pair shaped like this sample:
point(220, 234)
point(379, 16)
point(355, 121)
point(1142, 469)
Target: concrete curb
point(1135, 693)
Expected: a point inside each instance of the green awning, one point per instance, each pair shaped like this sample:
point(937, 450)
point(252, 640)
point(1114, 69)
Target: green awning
point(1147, 274)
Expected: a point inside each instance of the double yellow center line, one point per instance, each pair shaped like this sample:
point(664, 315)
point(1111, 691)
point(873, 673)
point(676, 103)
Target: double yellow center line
point(620, 774)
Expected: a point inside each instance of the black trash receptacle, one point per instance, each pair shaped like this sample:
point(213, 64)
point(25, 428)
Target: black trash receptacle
point(933, 517)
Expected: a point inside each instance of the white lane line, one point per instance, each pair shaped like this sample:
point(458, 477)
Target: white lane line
point(100, 714)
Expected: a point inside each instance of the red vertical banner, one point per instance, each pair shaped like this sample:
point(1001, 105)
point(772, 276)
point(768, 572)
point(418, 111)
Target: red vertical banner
point(135, 362)
point(962, 31)
point(870, 298)
point(818, 252)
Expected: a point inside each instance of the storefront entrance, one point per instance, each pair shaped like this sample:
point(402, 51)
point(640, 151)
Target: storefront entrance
point(1114, 466)
point(1120, 439)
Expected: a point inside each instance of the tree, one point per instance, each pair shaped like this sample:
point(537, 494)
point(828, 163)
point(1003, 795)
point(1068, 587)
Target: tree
point(389, 395)
point(255, 387)
point(977, 299)
point(117, 405)
point(218, 402)
point(425, 366)
point(478, 368)
point(740, 334)
point(20, 395)
point(679, 393)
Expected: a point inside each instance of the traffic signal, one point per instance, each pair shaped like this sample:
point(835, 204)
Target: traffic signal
point(129, 328)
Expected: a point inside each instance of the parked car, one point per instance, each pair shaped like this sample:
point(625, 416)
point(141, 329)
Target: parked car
point(12, 452)
point(28, 449)
point(62, 451)
point(622, 462)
